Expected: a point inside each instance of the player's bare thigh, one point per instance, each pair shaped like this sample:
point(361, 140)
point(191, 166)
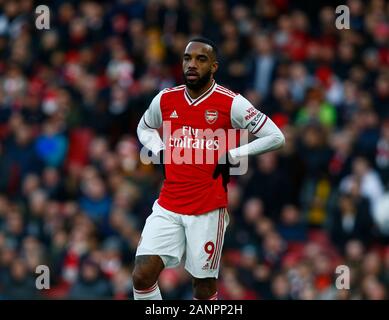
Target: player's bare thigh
point(146, 271)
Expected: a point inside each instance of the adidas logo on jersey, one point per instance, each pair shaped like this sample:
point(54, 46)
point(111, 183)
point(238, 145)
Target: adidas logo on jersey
point(174, 115)
point(206, 267)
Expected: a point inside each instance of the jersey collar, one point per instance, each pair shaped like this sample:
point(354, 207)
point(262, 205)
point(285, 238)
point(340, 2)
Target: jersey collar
point(201, 98)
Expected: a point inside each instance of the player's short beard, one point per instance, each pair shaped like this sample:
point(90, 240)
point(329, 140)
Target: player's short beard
point(199, 83)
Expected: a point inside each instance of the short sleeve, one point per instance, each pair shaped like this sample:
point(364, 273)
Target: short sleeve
point(153, 115)
point(245, 116)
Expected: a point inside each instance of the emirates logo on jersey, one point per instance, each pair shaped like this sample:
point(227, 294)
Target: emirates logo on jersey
point(211, 116)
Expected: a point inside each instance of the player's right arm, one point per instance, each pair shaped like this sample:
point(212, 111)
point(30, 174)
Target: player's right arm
point(151, 120)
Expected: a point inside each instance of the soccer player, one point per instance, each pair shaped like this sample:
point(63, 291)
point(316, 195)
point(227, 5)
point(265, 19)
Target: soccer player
point(190, 215)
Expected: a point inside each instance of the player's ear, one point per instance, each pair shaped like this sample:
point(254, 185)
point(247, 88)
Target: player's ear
point(215, 66)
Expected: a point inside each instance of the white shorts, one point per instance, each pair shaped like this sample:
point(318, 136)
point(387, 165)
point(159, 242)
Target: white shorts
point(170, 235)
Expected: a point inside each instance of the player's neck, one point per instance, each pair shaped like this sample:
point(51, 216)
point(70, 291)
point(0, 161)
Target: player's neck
point(194, 94)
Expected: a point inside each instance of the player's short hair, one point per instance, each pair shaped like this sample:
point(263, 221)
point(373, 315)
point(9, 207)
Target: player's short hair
point(208, 42)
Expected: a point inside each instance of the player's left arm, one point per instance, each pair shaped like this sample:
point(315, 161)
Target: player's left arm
point(149, 123)
point(268, 136)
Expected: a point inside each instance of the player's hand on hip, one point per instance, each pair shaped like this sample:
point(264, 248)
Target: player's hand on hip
point(161, 158)
point(222, 168)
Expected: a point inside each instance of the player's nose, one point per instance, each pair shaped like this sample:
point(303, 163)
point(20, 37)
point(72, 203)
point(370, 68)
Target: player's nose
point(192, 65)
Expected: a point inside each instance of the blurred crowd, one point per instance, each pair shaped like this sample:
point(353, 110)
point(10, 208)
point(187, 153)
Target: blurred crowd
point(74, 195)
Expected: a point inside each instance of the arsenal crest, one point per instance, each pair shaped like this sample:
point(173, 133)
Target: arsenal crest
point(211, 116)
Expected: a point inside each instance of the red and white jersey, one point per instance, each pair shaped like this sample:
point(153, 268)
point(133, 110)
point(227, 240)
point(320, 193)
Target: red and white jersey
point(189, 188)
